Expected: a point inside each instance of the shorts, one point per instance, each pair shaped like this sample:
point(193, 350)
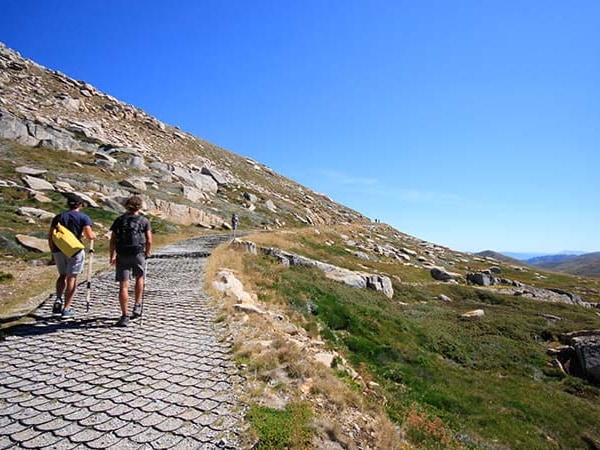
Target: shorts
point(130, 265)
point(69, 266)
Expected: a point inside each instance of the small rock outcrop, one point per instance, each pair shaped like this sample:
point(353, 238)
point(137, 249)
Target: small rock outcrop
point(352, 278)
point(586, 345)
point(441, 274)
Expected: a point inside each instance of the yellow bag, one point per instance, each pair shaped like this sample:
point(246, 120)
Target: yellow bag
point(66, 241)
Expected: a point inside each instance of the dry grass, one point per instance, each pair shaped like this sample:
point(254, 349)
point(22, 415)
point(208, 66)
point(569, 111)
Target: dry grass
point(277, 356)
point(429, 432)
point(28, 286)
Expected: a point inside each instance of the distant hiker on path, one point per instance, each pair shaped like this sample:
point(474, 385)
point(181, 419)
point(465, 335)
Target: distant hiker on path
point(234, 223)
point(130, 245)
point(80, 225)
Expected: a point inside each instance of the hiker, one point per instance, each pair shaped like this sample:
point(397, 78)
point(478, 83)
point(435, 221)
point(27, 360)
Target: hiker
point(130, 245)
point(80, 225)
point(234, 223)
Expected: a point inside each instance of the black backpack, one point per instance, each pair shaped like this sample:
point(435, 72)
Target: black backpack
point(130, 236)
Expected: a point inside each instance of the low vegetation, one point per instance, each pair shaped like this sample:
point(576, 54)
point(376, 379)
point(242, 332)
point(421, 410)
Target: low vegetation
point(447, 381)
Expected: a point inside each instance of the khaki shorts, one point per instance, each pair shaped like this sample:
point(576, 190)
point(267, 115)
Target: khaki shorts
point(130, 265)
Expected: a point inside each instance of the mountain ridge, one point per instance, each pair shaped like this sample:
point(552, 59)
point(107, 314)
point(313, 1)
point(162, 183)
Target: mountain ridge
point(587, 265)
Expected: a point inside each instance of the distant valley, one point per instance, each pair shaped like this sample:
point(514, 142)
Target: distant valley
point(575, 263)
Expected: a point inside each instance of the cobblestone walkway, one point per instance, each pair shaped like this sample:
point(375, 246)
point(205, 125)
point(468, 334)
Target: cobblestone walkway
point(168, 382)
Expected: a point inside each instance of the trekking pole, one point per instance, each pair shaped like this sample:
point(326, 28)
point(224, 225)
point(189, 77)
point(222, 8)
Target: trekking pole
point(89, 277)
point(143, 291)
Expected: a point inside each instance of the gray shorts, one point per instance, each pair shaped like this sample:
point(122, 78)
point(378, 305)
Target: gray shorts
point(130, 265)
point(69, 266)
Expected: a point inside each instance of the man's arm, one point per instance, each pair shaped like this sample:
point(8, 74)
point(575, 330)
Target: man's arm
point(148, 249)
point(52, 225)
point(112, 247)
point(50, 243)
point(88, 233)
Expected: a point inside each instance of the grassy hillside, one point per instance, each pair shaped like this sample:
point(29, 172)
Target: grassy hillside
point(450, 382)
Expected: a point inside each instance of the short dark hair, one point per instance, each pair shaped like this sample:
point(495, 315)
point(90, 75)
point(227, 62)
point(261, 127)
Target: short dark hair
point(74, 200)
point(134, 203)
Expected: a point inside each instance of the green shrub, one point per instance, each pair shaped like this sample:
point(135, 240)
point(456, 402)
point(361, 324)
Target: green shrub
point(281, 429)
point(5, 277)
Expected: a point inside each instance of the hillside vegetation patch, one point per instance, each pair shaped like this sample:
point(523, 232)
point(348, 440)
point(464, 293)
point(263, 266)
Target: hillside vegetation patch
point(447, 381)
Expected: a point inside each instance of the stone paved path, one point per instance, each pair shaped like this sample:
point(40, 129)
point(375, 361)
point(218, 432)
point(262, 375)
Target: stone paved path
point(168, 382)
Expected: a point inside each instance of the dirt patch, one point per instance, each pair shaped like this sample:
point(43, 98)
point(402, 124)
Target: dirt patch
point(31, 283)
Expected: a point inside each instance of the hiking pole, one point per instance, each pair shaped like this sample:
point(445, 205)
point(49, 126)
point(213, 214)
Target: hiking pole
point(89, 277)
point(143, 291)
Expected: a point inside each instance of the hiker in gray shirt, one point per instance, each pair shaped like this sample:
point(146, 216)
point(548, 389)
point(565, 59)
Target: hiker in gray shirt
point(130, 244)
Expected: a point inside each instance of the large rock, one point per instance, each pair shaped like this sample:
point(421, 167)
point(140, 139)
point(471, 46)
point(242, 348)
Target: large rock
point(13, 129)
point(113, 204)
point(381, 283)
point(441, 274)
point(27, 132)
point(33, 243)
point(587, 350)
point(228, 283)
point(25, 170)
point(193, 194)
point(35, 213)
point(270, 206)
point(474, 313)
point(351, 278)
point(37, 184)
point(183, 214)
point(219, 179)
point(136, 162)
point(481, 279)
point(205, 183)
point(134, 183)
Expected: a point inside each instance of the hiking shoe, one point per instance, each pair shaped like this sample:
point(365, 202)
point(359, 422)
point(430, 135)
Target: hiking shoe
point(123, 322)
point(67, 314)
point(137, 312)
point(57, 307)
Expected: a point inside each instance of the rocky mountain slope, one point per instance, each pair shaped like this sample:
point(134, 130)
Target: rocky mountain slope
point(184, 178)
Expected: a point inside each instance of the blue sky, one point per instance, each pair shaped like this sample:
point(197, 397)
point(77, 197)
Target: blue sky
point(474, 124)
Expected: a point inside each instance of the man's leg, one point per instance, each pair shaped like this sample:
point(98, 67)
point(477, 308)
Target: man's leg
point(70, 286)
point(139, 289)
point(60, 285)
point(124, 296)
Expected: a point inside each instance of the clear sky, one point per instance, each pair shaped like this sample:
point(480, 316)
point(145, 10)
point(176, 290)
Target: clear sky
point(474, 124)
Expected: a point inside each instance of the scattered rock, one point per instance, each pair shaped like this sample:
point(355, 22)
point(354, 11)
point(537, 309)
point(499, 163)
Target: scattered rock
point(35, 213)
point(325, 358)
point(30, 171)
point(270, 206)
point(249, 308)
point(37, 184)
point(134, 184)
point(32, 243)
point(250, 197)
point(474, 313)
point(215, 175)
point(441, 274)
point(480, 279)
